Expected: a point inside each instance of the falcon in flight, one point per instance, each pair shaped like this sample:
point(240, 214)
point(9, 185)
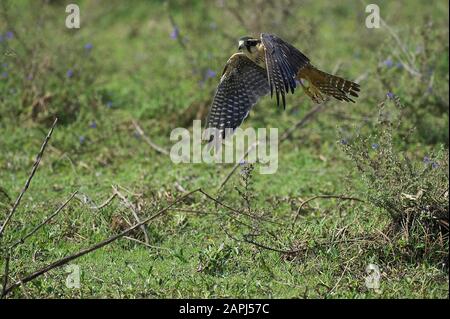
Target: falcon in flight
point(268, 64)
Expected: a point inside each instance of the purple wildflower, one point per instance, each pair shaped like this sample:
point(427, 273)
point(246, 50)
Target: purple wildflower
point(4, 74)
point(434, 165)
point(175, 33)
point(375, 146)
point(344, 141)
point(9, 35)
point(388, 63)
point(82, 139)
point(390, 95)
point(210, 74)
point(93, 124)
point(69, 73)
point(426, 160)
point(1, 38)
point(399, 65)
point(88, 46)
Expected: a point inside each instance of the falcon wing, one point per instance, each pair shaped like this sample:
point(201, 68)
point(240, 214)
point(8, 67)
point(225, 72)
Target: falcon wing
point(283, 61)
point(242, 84)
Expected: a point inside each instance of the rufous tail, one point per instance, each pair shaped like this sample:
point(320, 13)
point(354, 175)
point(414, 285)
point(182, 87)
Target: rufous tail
point(321, 83)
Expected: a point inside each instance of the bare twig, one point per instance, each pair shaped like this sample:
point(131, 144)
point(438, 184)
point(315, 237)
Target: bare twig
point(133, 211)
point(156, 147)
point(84, 199)
point(31, 233)
point(341, 197)
point(30, 177)
point(99, 245)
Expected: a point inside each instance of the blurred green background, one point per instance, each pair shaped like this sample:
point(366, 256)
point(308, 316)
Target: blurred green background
point(158, 63)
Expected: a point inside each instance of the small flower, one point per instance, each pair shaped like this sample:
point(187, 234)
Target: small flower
point(1, 38)
point(434, 165)
point(243, 162)
point(93, 124)
point(344, 141)
point(175, 33)
point(88, 46)
point(82, 139)
point(375, 146)
point(9, 35)
point(4, 65)
point(390, 95)
point(426, 160)
point(4, 74)
point(399, 65)
point(388, 63)
point(69, 73)
point(210, 74)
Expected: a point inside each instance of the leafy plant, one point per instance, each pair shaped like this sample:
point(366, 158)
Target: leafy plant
point(414, 192)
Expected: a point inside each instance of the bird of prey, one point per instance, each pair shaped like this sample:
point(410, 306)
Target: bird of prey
point(263, 65)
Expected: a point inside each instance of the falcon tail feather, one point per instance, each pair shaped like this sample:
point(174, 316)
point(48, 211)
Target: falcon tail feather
point(329, 84)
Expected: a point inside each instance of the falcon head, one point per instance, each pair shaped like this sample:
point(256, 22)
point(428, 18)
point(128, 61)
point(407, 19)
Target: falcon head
point(247, 43)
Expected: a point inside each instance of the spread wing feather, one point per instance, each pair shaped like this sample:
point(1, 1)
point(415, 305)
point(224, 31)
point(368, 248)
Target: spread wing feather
point(283, 62)
point(242, 84)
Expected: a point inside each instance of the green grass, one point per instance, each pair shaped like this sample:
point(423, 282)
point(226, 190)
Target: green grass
point(151, 78)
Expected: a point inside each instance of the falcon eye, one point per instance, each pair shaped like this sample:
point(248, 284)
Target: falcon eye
point(251, 42)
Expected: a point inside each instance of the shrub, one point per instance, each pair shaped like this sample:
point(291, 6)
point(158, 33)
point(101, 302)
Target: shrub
point(413, 191)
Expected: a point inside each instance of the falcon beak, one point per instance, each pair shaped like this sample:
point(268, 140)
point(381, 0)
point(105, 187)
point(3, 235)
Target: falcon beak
point(241, 45)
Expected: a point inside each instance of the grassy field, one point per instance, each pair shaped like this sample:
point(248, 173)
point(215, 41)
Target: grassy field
point(157, 64)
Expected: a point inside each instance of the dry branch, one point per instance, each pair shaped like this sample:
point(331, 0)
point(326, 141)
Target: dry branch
point(30, 177)
point(31, 233)
point(133, 211)
point(147, 140)
point(99, 245)
point(96, 207)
